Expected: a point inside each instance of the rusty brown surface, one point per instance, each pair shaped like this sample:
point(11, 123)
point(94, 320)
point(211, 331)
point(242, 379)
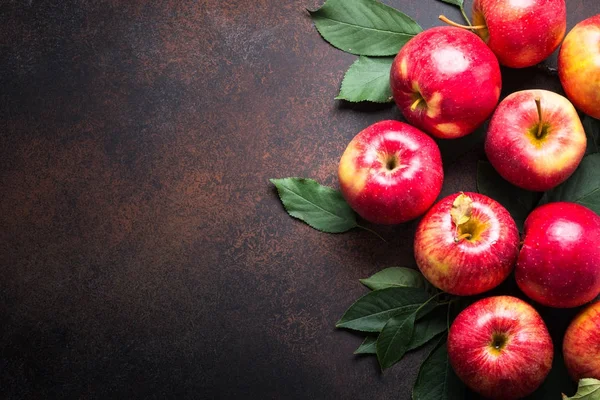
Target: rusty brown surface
point(143, 252)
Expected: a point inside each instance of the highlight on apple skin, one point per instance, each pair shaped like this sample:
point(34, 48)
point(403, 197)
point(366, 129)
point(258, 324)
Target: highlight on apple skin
point(535, 146)
point(579, 66)
point(521, 33)
point(559, 262)
point(500, 347)
point(391, 173)
point(470, 254)
point(581, 344)
point(446, 81)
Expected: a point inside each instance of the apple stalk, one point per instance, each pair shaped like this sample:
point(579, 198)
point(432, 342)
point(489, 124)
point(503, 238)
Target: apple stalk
point(445, 19)
point(538, 104)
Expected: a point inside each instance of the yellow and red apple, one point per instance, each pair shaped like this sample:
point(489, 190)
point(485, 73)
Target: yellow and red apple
point(581, 344)
point(466, 244)
point(535, 139)
point(579, 66)
point(500, 347)
point(391, 173)
point(521, 33)
point(559, 263)
point(446, 81)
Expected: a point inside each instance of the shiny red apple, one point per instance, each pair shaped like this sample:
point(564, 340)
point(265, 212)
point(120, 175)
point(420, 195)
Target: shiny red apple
point(521, 33)
point(581, 344)
point(468, 253)
point(391, 172)
point(559, 263)
point(535, 146)
point(446, 81)
point(500, 347)
point(579, 66)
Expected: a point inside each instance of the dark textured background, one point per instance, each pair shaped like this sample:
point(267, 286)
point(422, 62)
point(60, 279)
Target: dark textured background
point(143, 252)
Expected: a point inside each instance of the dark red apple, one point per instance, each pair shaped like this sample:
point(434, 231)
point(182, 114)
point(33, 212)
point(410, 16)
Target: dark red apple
point(521, 33)
point(391, 172)
point(581, 344)
point(500, 347)
point(446, 81)
point(559, 263)
point(535, 139)
point(466, 244)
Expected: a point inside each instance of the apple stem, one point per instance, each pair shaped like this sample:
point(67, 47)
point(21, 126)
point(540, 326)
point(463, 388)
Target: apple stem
point(538, 104)
point(415, 104)
point(461, 237)
point(443, 18)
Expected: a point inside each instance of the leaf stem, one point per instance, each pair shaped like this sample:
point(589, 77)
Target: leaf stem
point(427, 302)
point(464, 14)
point(443, 18)
point(372, 231)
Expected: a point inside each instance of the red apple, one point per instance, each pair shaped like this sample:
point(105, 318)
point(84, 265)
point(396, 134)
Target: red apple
point(446, 81)
point(581, 344)
point(559, 263)
point(535, 148)
point(468, 253)
point(521, 33)
point(579, 66)
point(391, 172)
point(500, 347)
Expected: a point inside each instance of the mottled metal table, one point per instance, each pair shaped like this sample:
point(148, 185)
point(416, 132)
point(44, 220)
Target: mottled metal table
point(143, 251)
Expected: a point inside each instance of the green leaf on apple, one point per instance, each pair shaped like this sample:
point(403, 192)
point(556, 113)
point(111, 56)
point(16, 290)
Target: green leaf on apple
point(395, 277)
point(519, 202)
point(368, 346)
point(368, 79)
point(592, 131)
point(582, 187)
point(436, 379)
point(364, 27)
point(319, 206)
point(371, 312)
point(589, 389)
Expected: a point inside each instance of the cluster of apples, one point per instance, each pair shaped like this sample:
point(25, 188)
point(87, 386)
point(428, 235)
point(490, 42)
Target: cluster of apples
point(447, 82)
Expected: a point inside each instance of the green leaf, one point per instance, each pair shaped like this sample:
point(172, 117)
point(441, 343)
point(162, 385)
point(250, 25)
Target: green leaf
point(394, 338)
point(592, 132)
point(428, 327)
point(436, 379)
point(371, 312)
point(364, 27)
point(458, 3)
point(519, 202)
point(321, 207)
point(368, 79)
point(589, 389)
point(582, 187)
point(395, 277)
point(397, 334)
point(368, 346)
